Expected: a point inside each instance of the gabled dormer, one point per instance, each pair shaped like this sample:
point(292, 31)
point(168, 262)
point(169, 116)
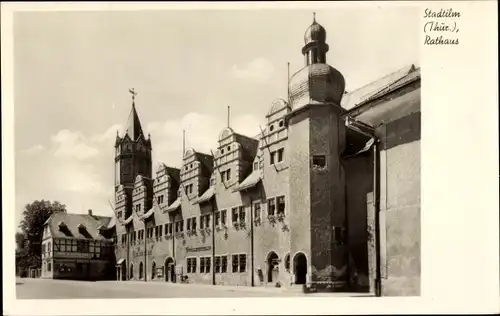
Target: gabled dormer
point(233, 158)
point(63, 228)
point(142, 195)
point(123, 203)
point(195, 174)
point(273, 138)
point(165, 185)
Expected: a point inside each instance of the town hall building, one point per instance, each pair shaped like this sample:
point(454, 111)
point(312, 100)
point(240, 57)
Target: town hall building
point(326, 197)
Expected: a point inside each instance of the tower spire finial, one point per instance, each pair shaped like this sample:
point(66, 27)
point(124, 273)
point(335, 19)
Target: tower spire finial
point(314, 17)
point(132, 91)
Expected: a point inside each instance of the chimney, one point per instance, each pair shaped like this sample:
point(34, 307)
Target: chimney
point(90, 212)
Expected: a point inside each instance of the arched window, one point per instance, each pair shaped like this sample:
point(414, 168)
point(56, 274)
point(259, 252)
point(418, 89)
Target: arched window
point(153, 270)
point(287, 262)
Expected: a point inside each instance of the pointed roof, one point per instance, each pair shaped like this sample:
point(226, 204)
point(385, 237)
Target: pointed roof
point(133, 127)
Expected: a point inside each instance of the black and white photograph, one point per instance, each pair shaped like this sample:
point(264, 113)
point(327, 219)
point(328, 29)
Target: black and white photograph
point(223, 152)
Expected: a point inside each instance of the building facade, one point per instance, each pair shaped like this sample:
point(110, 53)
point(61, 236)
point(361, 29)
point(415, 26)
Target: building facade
point(328, 195)
point(78, 247)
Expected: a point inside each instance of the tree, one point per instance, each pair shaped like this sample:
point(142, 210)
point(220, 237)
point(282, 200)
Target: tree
point(30, 237)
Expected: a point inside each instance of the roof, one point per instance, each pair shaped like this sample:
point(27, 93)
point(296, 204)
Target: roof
point(354, 98)
point(72, 221)
point(133, 127)
point(250, 181)
point(207, 195)
point(174, 206)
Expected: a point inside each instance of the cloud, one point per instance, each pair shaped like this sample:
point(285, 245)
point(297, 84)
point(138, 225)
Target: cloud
point(34, 150)
point(108, 135)
point(259, 70)
point(72, 145)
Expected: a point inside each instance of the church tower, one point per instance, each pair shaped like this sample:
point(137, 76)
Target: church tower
point(316, 137)
point(132, 152)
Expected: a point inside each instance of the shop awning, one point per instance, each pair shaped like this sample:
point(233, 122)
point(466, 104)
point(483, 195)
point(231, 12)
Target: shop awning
point(119, 262)
point(149, 213)
point(367, 147)
point(250, 181)
point(174, 206)
point(207, 195)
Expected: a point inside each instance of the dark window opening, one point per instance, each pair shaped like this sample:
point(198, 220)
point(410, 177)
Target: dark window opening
point(319, 161)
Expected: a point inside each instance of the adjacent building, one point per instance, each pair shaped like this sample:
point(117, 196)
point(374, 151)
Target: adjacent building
point(78, 247)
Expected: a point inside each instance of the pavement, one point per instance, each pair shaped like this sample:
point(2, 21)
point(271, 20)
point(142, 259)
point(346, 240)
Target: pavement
point(28, 288)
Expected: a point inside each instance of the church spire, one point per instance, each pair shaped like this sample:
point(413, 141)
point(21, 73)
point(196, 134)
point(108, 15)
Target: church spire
point(133, 127)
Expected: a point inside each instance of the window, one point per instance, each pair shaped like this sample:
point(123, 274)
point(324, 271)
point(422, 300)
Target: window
point(217, 264)
point(239, 263)
point(217, 218)
point(119, 214)
point(281, 123)
point(49, 266)
point(91, 246)
point(281, 205)
point(191, 265)
point(271, 207)
point(287, 262)
point(280, 154)
point(271, 127)
point(256, 211)
point(243, 262)
point(234, 215)
point(256, 166)
point(205, 265)
point(191, 224)
point(242, 214)
point(222, 151)
point(273, 155)
point(228, 174)
point(124, 238)
point(235, 263)
point(179, 226)
point(223, 217)
point(74, 246)
point(160, 199)
point(138, 208)
point(168, 229)
point(228, 148)
point(223, 264)
point(205, 221)
point(319, 161)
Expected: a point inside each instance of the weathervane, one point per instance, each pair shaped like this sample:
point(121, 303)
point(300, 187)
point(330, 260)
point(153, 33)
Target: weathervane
point(132, 91)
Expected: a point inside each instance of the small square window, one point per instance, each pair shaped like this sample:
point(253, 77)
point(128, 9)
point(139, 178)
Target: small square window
point(319, 161)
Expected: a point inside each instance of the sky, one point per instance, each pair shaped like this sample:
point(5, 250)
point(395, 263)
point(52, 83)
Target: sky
point(73, 71)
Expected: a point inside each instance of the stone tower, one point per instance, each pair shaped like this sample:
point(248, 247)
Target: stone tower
point(316, 136)
point(132, 152)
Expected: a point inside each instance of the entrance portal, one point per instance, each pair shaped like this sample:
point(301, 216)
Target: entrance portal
point(169, 270)
point(300, 268)
point(272, 265)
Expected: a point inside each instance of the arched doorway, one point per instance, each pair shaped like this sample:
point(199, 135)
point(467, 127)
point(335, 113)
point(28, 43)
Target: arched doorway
point(300, 268)
point(272, 267)
point(131, 273)
point(153, 271)
point(141, 270)
point(169, 270)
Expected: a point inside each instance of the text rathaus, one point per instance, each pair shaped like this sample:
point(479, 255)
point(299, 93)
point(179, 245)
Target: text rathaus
point(298, 205)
